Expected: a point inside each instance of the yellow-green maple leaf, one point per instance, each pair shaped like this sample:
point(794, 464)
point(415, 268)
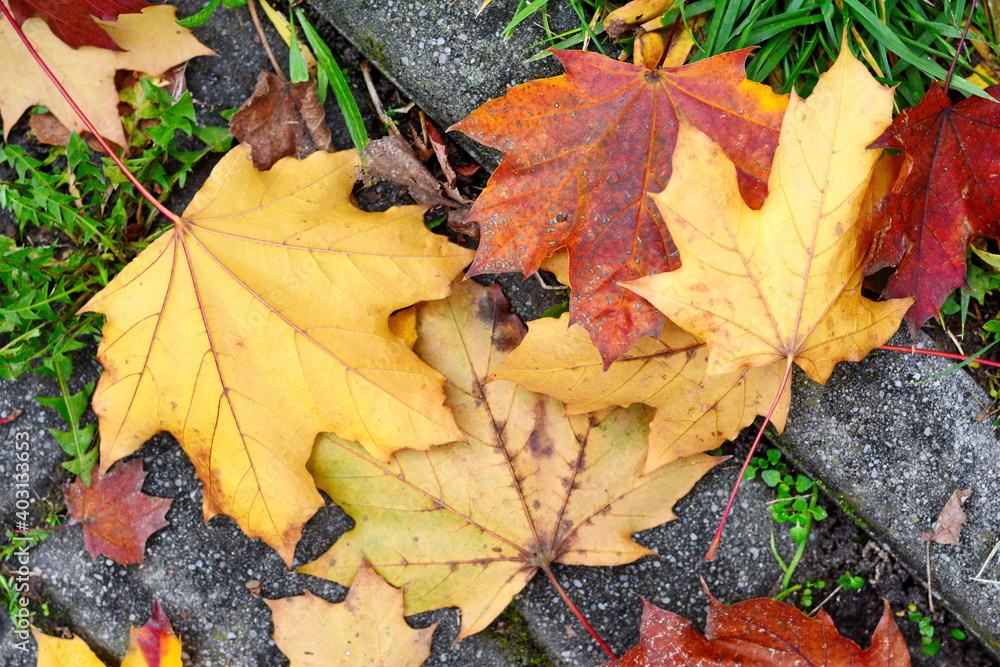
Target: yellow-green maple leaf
point(470, 523)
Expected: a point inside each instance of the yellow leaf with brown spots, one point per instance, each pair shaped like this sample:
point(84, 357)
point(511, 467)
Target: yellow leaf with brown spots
point(469, 524)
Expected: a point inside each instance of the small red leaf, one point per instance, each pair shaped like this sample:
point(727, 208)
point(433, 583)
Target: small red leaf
point(759, 632)
point(117, 516)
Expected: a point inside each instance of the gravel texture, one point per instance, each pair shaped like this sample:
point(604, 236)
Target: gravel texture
point(890, 451)
point(891, 446)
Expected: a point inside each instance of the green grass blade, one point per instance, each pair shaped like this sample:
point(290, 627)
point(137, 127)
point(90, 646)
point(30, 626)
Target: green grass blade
point(891, 40)
point(526, 10)
point(345, 99)
point(201, 17)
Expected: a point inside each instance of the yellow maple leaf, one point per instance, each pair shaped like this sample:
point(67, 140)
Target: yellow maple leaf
point(260, 320)
point(152, 645)
point(59, 652)
point(782, 283)
point(694, 412)
point(367, 628)
point(152, 43)
point(470, 523)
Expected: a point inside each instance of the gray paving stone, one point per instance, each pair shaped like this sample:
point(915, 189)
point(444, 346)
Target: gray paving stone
point(891, 447)
point(443, 55)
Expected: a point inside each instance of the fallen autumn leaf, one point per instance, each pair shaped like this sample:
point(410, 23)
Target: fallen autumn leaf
point(469, 524)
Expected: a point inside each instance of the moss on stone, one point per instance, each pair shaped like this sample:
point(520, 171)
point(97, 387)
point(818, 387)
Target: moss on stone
point(511, 634)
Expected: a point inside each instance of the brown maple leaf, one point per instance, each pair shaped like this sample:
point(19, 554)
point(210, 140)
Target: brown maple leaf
point(72, 21)
point(583, 150)
point(281, 119)
point(117, 516)
point(947, 193)
point(470, 523)
point(759, 633)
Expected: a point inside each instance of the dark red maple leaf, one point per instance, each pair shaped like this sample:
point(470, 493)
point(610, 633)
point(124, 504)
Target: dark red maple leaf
point(117, 516)
point(947, 193)
point(761, 633)
point(72, 21)
point(583, 150)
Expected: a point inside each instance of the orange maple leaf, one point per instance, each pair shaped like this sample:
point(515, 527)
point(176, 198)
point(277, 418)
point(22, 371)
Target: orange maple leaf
point(582, 152)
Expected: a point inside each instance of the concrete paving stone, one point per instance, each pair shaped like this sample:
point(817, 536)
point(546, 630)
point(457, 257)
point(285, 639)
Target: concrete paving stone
point(444, 55)
point(891, 447)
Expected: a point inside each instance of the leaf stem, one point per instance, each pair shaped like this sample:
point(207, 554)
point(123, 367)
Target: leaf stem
point(576, 611)
point(935, 353)
point(252, 6)
point(958, 47)
point(86, 121)
point(710, 555)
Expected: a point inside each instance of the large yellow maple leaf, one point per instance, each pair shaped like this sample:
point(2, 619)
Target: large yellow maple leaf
point(694, 412)
point(782, 283)
point(260, 320)
point(470, 523)
point(367, 628)
point(151, 43)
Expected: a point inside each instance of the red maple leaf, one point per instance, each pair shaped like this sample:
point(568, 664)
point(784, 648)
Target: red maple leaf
point(583, 150)
point(762, 633)
point(947, 193)
point(154, 644)
point(117, 516)
point(72, 21)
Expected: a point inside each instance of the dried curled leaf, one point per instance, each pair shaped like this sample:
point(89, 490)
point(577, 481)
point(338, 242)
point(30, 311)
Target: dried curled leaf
point(281, 119)
point(262, 320)
point(782, 283)
point(948, 527)
point(469, 524)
